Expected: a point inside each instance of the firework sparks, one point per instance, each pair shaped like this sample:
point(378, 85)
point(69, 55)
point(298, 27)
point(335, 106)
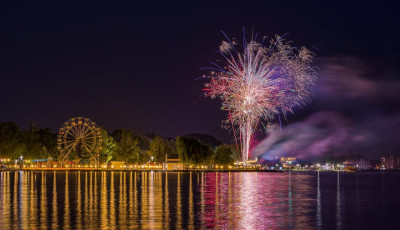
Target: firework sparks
point(259, 83)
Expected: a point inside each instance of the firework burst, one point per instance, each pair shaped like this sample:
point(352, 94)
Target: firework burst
point(259, 83)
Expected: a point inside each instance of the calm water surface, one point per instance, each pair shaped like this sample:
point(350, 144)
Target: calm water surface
point(238, 200)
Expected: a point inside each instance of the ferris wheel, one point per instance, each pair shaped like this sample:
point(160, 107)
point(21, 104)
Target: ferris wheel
point(79, 135)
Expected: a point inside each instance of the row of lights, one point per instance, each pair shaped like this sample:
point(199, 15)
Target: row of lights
point(223, 167)
point(112, 166)
point(133, 166)
point(103, 166)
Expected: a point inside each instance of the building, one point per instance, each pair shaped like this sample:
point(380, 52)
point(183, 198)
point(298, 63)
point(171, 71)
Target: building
point(117, 164)
point(357, 162)
point(288, 162)
point(390, 162)
point(328, 166)
point(172, 163)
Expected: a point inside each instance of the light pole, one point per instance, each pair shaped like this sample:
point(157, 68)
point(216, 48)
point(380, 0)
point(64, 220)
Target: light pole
point(22, 162)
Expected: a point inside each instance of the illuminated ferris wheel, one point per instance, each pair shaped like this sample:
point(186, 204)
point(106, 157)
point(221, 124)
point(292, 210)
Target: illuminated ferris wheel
point(81, 136)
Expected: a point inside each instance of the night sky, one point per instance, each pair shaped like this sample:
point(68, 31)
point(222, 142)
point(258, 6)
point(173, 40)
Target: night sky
point(134, 65)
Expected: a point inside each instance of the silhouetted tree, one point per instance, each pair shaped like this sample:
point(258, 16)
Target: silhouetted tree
point(127, 148)
point(193, 151)
point(223, 155)
point(9, 140)
point(108, 147)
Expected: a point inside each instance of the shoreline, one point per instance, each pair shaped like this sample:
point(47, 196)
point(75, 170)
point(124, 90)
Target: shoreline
point(136, 170)
point(188, 170)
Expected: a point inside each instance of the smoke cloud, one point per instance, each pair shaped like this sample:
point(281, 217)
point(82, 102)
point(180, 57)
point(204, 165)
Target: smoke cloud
point(355, 110)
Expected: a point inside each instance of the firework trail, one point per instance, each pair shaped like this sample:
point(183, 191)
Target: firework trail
point(259, 83)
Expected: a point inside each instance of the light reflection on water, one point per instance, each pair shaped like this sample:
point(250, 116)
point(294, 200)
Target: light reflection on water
point(193, 200)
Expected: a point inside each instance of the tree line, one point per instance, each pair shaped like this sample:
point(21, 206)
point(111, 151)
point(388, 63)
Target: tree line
point(118, 145)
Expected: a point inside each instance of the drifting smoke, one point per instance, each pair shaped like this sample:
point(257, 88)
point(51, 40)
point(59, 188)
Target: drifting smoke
point(355, 111)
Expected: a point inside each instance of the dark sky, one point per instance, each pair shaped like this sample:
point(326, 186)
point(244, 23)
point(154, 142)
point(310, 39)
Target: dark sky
point(134, 65)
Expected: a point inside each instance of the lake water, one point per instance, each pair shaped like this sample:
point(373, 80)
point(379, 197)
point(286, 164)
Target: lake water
point(198, 200)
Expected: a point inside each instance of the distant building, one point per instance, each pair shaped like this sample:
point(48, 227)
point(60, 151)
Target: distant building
point(390, 162)
point(375, 164)
point(288, 162)
point(328, 166)
point(117, 164)
point(357, 162)
point(172, 163)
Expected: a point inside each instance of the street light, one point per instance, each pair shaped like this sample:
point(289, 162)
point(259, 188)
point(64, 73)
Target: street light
point(22, 163)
